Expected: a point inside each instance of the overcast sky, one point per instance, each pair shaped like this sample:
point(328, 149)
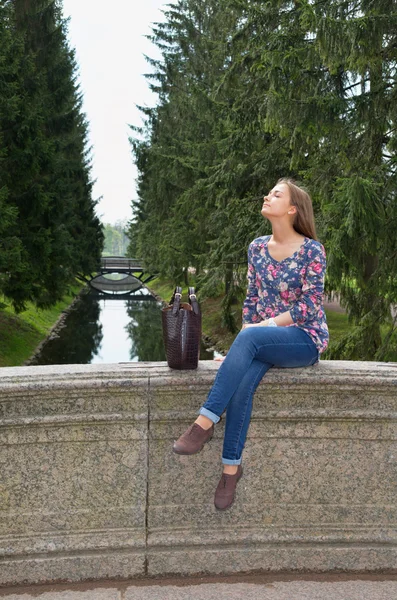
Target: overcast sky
point(110, 44)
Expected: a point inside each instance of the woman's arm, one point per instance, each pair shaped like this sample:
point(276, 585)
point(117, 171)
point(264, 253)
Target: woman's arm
point(250, 315)
point(310, 302)
point(282, 320)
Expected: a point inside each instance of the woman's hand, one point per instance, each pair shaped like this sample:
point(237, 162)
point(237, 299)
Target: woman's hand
point(261, 324)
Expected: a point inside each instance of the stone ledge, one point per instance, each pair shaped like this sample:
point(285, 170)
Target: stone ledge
point(326, 368)
point(89, 486)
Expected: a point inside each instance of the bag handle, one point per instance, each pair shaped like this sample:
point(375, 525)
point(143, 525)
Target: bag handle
point(193, 301)
point(176, 300)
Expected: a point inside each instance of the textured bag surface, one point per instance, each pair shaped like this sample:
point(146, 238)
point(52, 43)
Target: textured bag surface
point(182, 331)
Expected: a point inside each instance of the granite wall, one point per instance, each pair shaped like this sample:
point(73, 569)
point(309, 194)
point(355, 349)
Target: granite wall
point(90, 489)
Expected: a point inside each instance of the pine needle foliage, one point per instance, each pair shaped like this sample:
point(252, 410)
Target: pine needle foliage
point(50, 231)
point(249, 91)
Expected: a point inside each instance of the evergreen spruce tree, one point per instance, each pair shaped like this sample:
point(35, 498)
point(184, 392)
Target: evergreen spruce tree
point(332, 99)
point(10, 243)
point(179, 139)
point(251, 91)
point(206, 151)
point(46, 166)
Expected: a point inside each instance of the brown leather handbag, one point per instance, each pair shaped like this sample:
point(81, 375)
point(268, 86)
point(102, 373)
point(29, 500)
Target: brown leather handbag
point(182, 331)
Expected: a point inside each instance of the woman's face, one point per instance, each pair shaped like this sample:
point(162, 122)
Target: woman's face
point(277, 203)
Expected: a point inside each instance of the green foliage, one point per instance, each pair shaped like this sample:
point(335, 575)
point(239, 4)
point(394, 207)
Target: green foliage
point(248, 92)
point(50, 231)
point(116, 240)
point(145, 331)
point(67, 347)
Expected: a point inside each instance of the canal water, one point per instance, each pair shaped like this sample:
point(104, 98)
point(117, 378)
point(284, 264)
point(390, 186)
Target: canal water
point(109, 330)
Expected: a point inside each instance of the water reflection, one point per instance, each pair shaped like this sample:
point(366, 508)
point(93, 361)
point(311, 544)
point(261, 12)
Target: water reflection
point(110, 330)
point(145, 331)
point(78, 342)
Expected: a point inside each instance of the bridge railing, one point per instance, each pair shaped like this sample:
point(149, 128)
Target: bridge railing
point(90, 487)
point(121, 262)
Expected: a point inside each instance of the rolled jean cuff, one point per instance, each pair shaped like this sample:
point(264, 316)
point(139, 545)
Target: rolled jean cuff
point(207, 413)
point(227, 461)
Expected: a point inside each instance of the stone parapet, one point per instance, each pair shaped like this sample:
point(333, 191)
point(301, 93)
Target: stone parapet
point(90, 489)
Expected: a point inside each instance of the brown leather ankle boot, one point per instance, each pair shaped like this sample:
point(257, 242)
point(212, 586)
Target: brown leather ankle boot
point(224, 494)
point(193, 440)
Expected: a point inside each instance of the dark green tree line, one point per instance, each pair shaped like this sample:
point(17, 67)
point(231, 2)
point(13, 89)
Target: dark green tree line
point(249, 91)
point(334, 100)
point(52, 232)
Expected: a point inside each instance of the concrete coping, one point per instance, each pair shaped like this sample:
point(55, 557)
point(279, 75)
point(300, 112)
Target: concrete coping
point(361, 372)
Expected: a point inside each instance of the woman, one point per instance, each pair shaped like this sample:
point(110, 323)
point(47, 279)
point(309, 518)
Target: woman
point(284, 325)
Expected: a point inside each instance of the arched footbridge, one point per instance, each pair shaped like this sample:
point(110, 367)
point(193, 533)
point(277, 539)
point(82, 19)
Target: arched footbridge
point(119, 276)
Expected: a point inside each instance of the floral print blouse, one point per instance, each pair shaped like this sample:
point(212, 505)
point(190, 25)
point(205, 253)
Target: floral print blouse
point(295, 283)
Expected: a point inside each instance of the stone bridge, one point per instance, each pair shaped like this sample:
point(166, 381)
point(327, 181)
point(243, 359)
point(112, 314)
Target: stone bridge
point(90, 489)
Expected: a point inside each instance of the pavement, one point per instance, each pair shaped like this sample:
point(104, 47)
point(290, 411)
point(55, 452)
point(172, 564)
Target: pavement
point(259, 587)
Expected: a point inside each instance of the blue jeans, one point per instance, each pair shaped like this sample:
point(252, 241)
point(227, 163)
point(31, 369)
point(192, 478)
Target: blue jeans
point(252, 353)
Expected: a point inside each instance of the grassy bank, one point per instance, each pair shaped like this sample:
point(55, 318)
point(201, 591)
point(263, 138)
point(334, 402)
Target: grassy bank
point(21, 334)
point(212, 316)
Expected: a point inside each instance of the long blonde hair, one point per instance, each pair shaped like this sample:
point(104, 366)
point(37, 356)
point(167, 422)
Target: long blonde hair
point(304, 216)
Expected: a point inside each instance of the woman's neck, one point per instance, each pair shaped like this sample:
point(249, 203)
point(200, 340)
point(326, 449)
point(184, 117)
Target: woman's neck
point(283, 233)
